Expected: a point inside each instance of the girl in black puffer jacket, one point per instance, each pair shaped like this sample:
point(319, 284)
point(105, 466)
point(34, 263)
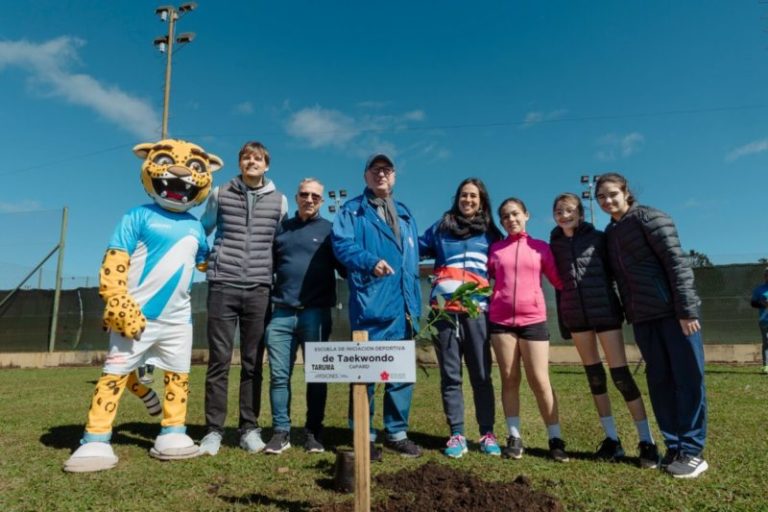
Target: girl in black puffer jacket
point(660, 301)
point(589, 310)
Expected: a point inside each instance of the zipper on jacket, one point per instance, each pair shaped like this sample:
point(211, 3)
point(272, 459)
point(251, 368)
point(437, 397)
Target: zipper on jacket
point(577, 281)
point(514, 288)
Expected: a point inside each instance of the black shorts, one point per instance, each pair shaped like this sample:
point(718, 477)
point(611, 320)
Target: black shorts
point(532, 332)
point(596, 329)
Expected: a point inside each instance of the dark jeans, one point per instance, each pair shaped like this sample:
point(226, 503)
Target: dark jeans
point(288, 329)
point(467, 338)
point(675, 376)
point(228, 306)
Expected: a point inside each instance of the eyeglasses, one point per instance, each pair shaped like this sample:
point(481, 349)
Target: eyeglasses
point(315, 197)
point(381, 169)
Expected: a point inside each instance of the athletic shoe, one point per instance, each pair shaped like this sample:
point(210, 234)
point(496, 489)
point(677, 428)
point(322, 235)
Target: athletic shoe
point(456, 446)
point(489, 445)
point(765, 370)
point(557, 450)
point(278, 444)
point(610, 450)
point(687, 466)
point(649, 455)
point(251, 441)
point(312, 444)
point(514, 448)
point(669, 458)
point(376, 455)
point(210, 444)
point(405, 447)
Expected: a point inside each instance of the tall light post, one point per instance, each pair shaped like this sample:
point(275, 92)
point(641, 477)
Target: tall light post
point(164, 44)
point(589, 193)
point(338, 198)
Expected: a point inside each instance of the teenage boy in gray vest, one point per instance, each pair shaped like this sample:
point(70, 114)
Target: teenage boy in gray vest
point(245, 214)
point(304, 293)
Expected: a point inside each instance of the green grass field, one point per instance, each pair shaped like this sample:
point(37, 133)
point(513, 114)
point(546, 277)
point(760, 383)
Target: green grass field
point(43, 412)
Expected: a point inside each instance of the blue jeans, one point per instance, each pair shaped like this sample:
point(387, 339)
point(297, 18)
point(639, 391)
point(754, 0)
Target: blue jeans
point(288, 329)
point(675, 376)
point(764, 333)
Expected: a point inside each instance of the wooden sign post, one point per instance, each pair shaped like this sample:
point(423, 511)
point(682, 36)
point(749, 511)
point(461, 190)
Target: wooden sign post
point(362, 438)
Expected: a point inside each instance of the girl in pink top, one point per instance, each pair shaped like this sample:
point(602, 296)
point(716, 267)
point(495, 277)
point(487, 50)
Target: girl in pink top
point(518, 324)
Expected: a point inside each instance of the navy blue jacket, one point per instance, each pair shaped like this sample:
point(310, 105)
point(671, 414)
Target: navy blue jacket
point(360, 239)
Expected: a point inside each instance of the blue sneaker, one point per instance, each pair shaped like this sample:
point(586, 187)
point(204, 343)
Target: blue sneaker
point(456, 446)
point(489, 445)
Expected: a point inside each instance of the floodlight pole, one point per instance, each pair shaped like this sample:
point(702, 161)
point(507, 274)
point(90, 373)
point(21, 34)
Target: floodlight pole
point(165, 44)
point(167, 93)
point(57, 289)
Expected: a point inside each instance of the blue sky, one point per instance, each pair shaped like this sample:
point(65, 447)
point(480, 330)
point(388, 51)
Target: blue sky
point(526, 95)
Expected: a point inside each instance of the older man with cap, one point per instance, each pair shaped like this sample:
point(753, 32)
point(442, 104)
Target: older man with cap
point(376, 239)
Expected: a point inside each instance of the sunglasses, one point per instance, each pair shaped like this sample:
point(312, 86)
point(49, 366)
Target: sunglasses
point(315, 197)
point(381, 169)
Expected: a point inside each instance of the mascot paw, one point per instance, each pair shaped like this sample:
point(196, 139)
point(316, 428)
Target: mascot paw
point(122, 314)
point(91, 457)
point(173, 447)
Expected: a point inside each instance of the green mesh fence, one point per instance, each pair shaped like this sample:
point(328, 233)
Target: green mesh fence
point(25, 319)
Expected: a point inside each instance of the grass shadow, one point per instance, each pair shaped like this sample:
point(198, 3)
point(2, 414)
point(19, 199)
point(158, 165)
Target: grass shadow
point(257, 499)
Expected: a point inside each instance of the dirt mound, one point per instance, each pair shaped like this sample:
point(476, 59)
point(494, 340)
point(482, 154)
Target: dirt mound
point(436, 487)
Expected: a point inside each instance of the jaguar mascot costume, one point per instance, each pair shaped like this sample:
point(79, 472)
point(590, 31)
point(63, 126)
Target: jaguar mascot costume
point(145, 280)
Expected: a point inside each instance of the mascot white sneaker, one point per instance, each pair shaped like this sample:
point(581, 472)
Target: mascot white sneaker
point(145, 280)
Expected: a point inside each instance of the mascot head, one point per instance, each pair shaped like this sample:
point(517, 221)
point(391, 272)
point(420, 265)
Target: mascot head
point(176, 173)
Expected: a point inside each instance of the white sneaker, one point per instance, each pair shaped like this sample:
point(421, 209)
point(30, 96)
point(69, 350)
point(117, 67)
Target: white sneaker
point(210, 444)
point(251, 441)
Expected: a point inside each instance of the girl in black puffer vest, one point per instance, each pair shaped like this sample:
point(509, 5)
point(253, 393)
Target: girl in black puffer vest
point(656, 285)
point(589, 310)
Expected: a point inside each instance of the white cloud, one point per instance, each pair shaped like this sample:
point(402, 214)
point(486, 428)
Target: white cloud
point(48, 65)
point(534, 118)
point(359, 134)
point(244, 108)
point(613, 146)
point(320, 127)
point(753, 148)
point(25, 205)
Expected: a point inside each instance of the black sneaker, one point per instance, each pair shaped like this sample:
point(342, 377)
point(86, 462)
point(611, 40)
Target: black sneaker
point(514, 448)
point(669, 458)
point(687, 466)
point(312, 444)
point(405, 447)
point(279, 443)
point(376, 455)
point(557, 450)
point(649, 455)
point(610, 450)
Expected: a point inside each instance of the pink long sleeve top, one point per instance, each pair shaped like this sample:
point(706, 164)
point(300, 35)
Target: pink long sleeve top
point(517, 264)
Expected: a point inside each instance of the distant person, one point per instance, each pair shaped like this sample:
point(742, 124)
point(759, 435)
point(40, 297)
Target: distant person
point(589, 309)
point(304, 293)
point(657, 290)
point(376, 239)
point(760, 301)
point(518, 325)
point(459, 244)
point(145, 374)
point(245, 214)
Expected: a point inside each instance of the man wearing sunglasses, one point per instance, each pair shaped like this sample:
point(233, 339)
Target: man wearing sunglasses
point(376, 239)
point(303, 295)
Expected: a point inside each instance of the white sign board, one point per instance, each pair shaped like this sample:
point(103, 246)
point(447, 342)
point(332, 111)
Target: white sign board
point(350, 361)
